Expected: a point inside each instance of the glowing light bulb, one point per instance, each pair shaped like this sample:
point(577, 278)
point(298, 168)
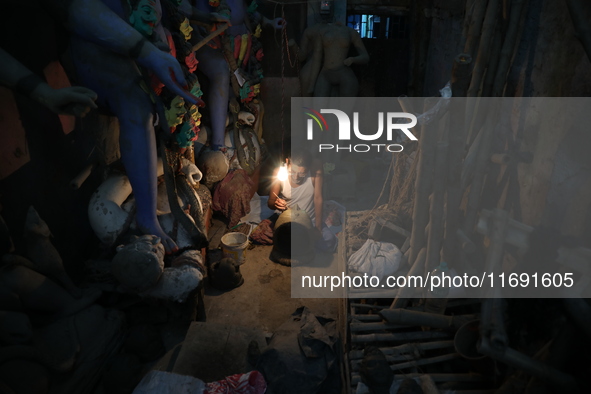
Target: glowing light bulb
point(282, 174)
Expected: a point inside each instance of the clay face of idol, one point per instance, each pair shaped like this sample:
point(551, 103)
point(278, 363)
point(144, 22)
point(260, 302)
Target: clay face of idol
point(298, 174)
point(143, 17)
point(176, 111)
point(195, 114)
point(186, 29)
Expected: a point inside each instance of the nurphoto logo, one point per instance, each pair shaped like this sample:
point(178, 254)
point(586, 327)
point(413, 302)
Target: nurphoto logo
point(390, 119)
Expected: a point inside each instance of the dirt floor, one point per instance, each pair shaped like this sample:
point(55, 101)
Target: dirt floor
point(264, 302)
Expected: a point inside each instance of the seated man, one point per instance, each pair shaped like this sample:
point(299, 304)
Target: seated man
point(303, 187)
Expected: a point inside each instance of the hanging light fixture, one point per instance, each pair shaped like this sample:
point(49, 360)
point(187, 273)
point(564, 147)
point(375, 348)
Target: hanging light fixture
point(282, 174)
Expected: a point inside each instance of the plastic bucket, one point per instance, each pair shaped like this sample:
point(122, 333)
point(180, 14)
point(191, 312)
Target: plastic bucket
point(234, 245)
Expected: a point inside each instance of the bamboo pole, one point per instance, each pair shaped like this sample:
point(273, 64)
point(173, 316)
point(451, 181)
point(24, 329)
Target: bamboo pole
point(475, 29)
point(377, 292)
point(423, 182)
point(480, 168)
point(410, 361)
point(413, 318)
point(425, 361)
point(375, 326)
point(493, 58)
point(405, 292)
point(406, 348)
point(581, 23)
point(437, 377)
point(399, 336)
point(435, 238)
point(421, 27)
point(468, 15)
point(466, 244)
point(508, 47)
point(488, 28)
point(500, 158)
point(460, 80)
point(373, 318)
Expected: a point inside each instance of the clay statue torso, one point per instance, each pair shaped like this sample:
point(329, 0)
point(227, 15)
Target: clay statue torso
point(336, 40)
point(237, 14)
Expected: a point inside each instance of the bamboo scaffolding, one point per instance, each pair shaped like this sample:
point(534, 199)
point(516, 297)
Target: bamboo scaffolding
point(517, 8)
point(581, 23)
point(406, 348)
point(460, 79)
point(482, 158)
point(475, 28)
point(414, 318)
point(423, 183)
point(484, 49)
point(493, 59)
point(436, 224)
point(437, 377)
point(372, 318)
point(399, 337)
point(425, 361)
point(375, 326)
point(405, 292)
point(355, 365)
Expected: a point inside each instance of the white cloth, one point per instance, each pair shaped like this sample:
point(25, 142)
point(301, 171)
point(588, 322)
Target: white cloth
point(379, 259)
point(302, 196)
point(259, 210)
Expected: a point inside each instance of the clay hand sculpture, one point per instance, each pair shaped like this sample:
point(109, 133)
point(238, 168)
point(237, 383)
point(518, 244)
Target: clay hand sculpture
point(191, 172)
point(74, 100)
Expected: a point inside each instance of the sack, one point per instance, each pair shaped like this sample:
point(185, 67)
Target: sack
point(379, 259)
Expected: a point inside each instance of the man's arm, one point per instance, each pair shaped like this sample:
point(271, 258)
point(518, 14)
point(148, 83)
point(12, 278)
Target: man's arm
point(318, 200)
point(274, 201)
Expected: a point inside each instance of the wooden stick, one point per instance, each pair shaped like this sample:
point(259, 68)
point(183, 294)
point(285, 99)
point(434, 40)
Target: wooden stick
point(493, 59)
point(581, 23)
point(413, 318)
point(466, 243)
point(373, 326)
point(405, 292)
point(399, 337)
point(397, 229)
point(437, 377)
point(517, 8)
point(362, 318)
point(211, 36)
point(488, 28)
point(436, 209)
point(457, 138)
point(406, 348)
point(480, 168)
point(475, 29)
point(500, 158)
point(423, 182)
point(424, 361)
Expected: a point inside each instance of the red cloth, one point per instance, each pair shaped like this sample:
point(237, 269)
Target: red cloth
point(248, 383)
point(232, 196)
